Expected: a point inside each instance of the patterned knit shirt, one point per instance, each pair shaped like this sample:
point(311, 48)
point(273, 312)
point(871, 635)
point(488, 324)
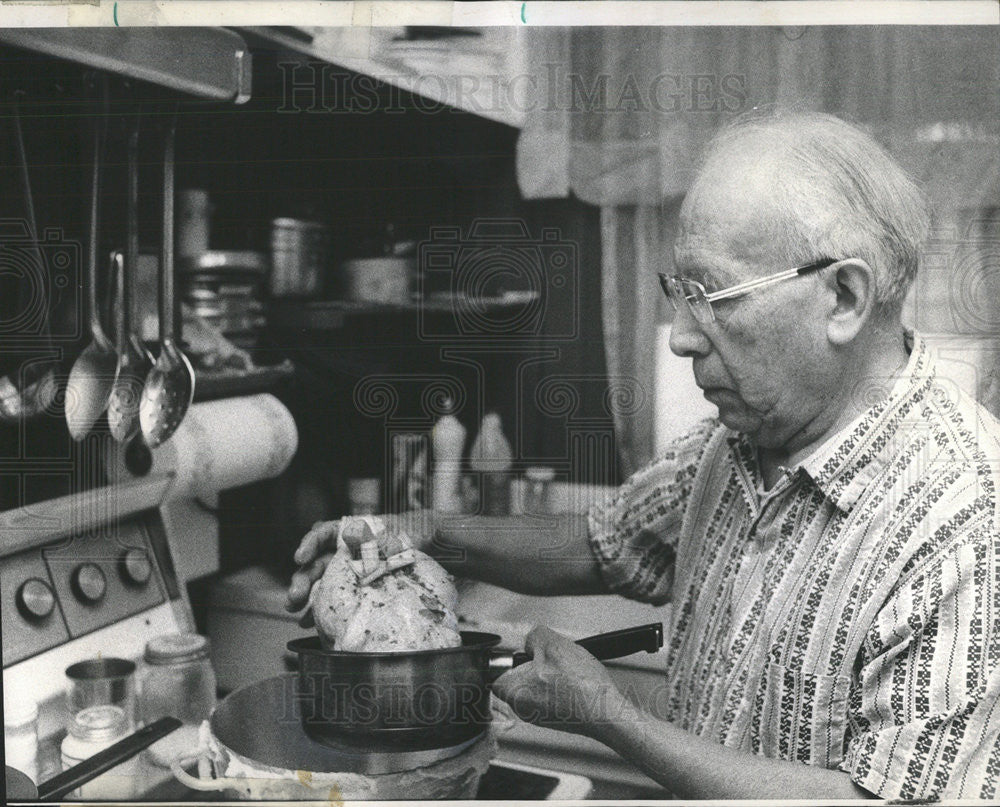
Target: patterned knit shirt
point(846, 618)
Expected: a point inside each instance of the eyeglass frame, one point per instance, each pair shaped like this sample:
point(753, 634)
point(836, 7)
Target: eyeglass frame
point(739, 289)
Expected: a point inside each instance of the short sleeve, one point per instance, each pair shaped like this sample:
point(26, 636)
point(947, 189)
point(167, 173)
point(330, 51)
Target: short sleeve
point(925, 716)
point(633, 534)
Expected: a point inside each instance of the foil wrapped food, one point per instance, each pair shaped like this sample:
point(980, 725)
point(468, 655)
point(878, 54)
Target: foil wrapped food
point(379, 594)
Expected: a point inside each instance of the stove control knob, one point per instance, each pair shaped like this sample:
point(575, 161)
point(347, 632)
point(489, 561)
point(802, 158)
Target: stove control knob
point(89, 583)
point(35, 599)
point(135, 567)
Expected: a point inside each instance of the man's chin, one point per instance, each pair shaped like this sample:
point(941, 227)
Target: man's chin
point(736, 417)
point(739, 424)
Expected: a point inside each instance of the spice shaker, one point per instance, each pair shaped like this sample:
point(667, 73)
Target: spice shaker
point(536, 494)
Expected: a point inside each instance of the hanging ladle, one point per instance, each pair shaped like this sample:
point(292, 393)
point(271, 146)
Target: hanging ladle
point(169, 387)
point(31, 388)
point(93, 373)
point(134, 361)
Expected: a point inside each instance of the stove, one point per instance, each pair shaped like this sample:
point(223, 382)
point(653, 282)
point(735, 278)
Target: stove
point(84, 576)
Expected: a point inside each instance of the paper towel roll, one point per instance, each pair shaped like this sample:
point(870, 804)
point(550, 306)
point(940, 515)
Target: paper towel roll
point(219, 445)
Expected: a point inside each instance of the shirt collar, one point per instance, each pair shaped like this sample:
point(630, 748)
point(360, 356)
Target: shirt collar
point(848, 461)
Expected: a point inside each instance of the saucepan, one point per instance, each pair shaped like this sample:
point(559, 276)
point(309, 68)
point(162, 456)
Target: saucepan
point(424, 699)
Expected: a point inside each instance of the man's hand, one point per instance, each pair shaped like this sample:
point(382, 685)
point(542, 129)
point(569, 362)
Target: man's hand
point(319, 544)
point(563, 687)
point(566, 688)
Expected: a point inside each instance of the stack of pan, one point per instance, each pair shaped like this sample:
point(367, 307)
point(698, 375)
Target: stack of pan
point(225, 290)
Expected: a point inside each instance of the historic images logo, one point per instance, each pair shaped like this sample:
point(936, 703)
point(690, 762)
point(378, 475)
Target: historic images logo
point(319, 88)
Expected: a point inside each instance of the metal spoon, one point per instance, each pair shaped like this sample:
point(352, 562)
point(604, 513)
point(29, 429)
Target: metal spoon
point(134, 361)
point(30, 389)
point(169, 386)
point(93, 373)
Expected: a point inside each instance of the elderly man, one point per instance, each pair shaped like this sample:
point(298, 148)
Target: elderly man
point(829, 543)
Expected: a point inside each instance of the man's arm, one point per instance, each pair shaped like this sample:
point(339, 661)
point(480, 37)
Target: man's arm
point(566, 688)
point(695, 768)
point(548, 555)
point(540, 555)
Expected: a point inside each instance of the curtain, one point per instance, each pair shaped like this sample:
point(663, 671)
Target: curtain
point(618, 117)
point(636, 243)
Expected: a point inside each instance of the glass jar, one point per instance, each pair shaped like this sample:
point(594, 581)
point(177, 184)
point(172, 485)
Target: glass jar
point(178, 680)
point(91, 730)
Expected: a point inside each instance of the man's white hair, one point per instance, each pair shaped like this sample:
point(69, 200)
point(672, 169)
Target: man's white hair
point(839, 194)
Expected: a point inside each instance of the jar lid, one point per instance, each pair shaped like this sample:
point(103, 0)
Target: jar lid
point(176, 648)
point(18, 711)
point(99, 723)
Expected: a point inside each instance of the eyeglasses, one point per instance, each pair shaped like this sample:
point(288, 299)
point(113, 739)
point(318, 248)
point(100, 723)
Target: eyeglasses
point(693, 294)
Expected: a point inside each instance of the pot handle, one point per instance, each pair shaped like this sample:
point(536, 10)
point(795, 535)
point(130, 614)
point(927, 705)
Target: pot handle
point(604, 646)
point(196, 782)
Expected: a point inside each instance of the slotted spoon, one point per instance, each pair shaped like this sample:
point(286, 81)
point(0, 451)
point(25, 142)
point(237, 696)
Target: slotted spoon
point(169, 387)
point(134, 361)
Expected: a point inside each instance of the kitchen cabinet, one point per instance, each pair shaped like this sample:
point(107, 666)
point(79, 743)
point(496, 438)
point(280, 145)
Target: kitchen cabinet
point(207, 63)
point(478, 70)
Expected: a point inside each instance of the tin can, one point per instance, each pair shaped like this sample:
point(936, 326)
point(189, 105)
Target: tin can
point(300, 254)
point(408, 488)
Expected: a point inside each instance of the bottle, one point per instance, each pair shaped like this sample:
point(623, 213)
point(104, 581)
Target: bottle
point(93, 729)
point(20, 734)
point(447, 441)
point(491, 459)
point(538, 479)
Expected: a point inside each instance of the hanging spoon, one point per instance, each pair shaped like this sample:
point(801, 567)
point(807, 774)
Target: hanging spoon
point(169, 386)
point(30, 389)
point(134, 361)
point(93, 373)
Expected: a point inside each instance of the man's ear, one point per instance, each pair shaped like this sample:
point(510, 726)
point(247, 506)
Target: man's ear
point(853, 284)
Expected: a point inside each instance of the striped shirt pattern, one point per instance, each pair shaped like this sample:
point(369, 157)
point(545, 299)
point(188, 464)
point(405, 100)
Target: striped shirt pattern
point(846, 618)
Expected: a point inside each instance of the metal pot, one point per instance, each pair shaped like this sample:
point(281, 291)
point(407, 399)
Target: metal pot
point(422, 699)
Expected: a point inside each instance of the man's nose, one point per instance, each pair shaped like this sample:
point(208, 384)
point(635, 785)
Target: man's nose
point(686, 336)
